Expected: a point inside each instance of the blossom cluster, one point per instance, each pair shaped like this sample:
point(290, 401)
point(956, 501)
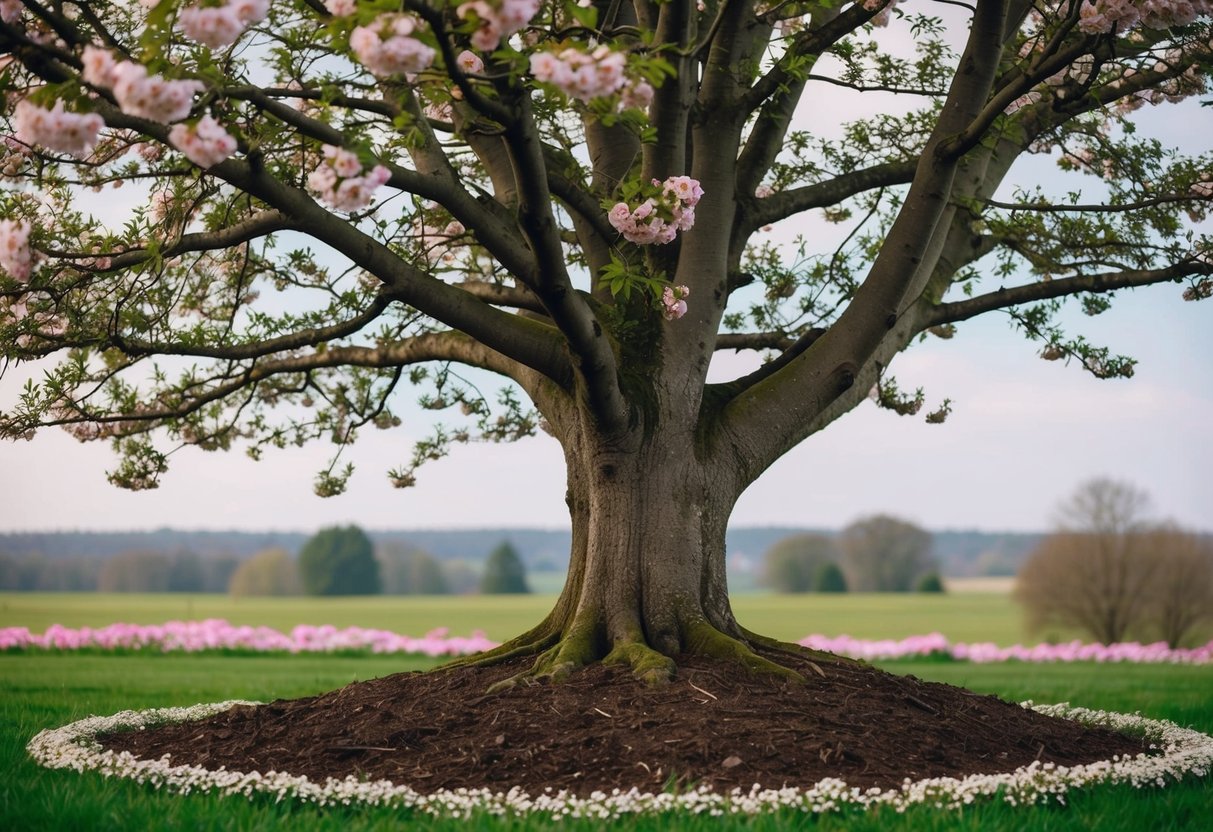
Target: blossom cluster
point(56, 129)
point(387, 46)
point(340, 183)
point(1101, 16)
point(218, 634)
point(583, 75)
point(673, 302)
point(1183, 752)
point(205, 143)
point(16, 257)
point(659, 218)
point(137, 93)
point(222, 25)
point(935, 644)
point(496, 20)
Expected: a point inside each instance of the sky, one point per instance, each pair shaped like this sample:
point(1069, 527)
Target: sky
point(1023, 435)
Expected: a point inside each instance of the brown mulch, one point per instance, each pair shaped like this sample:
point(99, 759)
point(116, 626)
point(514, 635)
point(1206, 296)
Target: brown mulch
point(602, 730)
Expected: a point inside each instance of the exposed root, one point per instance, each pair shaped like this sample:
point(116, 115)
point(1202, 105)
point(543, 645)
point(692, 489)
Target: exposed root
point(791, 648)
point(558, 661)
point(703, 639)
point(647, 664)
point(528, 644)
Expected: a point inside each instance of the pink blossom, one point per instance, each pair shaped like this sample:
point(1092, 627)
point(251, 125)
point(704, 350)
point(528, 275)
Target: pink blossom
point(469, 62)
point(658, 219)
point(337, 181)
point(496, 20)
point(206, 144)
point(579, 74)
point(137, 93)
point(212, 26)
point(673, 302)
point(387, 46)
point(341, 8)
point(10, 10)
point(16, 256)
point(55, 129)
point(216, 26)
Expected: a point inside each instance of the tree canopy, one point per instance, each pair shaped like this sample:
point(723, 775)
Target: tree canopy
point(339, 561)
point(346, 198)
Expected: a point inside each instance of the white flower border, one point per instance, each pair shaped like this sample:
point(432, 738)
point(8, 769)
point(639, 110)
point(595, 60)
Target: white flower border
point(1183, 752)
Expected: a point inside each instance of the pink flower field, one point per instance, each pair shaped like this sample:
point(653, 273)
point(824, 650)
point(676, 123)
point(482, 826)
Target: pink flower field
point(218, 634)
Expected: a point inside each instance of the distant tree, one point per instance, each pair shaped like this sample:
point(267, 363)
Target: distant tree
point(186, 573)
point(1179, 596)
point(269, 572)
point(829, 578)
point(885, 554)
point(135, 572)
point(1094, 572)
point(504, 573)
point(792, 563)
point(409, 571)
point(930, 582)
point(339, 561)
point(463, 577)
point(218, 572)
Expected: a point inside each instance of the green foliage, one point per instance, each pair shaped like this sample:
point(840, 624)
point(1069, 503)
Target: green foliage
point(930, 583)
point(339, 561)
point(504, 573)
point(829, 578)
point(793, 564)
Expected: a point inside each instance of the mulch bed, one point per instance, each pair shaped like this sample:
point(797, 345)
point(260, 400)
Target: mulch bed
point(602, 730)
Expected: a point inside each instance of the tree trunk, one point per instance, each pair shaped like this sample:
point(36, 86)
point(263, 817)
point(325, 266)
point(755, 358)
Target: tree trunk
point(646, 581)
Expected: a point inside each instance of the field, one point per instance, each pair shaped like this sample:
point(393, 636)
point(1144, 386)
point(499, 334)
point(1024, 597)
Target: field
point(41, 690)
point(959, 616)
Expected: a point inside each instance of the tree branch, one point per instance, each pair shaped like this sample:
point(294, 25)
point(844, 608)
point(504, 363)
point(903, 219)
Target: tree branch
point(947, 313)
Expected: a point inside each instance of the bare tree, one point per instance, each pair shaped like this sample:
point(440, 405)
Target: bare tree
point(1107, 570)
point(1180, 595)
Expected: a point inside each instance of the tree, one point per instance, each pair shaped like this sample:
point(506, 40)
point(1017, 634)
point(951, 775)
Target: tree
point(930, 582)
point(186, 573)
point(576, 204)
point(829, 578)
point(407, 571)
point(1094, 572)
point(135, 572)
point(1180, 594)
point(504, 573)
point(792, 564)
point(269, 572)
point(339, 561)
point(884, 554)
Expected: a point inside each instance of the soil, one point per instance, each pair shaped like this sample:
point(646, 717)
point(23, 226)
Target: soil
point(602, 730)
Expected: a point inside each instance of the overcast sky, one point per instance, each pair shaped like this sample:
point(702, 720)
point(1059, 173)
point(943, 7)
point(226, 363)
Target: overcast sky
point(1023, 434)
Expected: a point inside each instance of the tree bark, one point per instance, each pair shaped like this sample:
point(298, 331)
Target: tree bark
point(647, 580)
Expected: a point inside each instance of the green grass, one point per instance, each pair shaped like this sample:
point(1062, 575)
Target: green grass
point(44, 690)
point(961, 617)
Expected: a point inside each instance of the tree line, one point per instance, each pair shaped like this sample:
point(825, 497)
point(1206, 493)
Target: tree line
point(335, 561)
point(880, 553)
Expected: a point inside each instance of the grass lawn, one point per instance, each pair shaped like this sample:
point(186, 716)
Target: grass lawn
point(43, 690)
point(959, 616)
